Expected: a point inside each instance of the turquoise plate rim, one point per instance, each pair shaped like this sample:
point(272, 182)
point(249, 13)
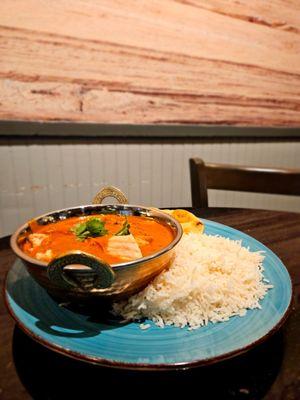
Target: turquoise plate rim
point(163, 366)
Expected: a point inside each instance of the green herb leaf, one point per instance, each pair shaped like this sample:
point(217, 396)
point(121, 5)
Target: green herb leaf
point(124, 230)
point(93, 227)
point(79, 228)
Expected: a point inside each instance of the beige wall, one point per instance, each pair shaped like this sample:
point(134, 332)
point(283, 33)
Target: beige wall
point(40, 176)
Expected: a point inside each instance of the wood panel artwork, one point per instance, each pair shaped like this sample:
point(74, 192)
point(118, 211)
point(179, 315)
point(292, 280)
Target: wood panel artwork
point(173, 61)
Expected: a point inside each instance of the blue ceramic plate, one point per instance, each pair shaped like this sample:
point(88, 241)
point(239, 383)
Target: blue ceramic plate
point(126, 345)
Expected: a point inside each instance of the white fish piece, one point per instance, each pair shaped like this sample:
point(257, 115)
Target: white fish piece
point(124, 247)
point(47, 256)
point(36, 238)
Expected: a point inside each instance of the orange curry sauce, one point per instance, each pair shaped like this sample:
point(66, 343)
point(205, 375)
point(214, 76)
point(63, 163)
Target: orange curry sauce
point(150, 234)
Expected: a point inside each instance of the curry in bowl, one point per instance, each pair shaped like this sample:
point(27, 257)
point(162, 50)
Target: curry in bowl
point(111, 237)
point(97, 252)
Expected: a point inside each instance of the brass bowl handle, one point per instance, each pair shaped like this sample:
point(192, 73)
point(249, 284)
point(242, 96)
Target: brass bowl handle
point(79, 270)
point(110, 191)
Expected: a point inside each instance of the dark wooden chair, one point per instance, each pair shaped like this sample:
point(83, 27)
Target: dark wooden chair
point(240, 178)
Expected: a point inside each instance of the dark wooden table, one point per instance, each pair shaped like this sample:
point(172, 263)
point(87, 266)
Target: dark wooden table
point(270, 371)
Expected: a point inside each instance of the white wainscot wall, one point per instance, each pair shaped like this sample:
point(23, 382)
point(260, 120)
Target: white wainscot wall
point(46, 175)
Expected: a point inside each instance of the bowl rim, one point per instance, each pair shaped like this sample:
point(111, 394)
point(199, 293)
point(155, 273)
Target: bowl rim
point(42, 264)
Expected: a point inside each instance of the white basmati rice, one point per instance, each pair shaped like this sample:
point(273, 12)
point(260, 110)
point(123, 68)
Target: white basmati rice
point(212, 278)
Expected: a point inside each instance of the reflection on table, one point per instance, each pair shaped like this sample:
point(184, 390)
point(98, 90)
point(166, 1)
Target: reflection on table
point(56, 376)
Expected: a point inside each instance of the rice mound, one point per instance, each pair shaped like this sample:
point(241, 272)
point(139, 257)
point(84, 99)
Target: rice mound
point(212, 278)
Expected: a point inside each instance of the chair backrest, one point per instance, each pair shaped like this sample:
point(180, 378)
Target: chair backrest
point(241, 178)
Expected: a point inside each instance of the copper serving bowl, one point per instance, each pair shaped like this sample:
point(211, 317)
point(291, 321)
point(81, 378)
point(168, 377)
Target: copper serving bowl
point(83, 278)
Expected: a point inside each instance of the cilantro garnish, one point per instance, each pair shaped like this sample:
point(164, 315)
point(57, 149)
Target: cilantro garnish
point(124, 230)
point(93, 227)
